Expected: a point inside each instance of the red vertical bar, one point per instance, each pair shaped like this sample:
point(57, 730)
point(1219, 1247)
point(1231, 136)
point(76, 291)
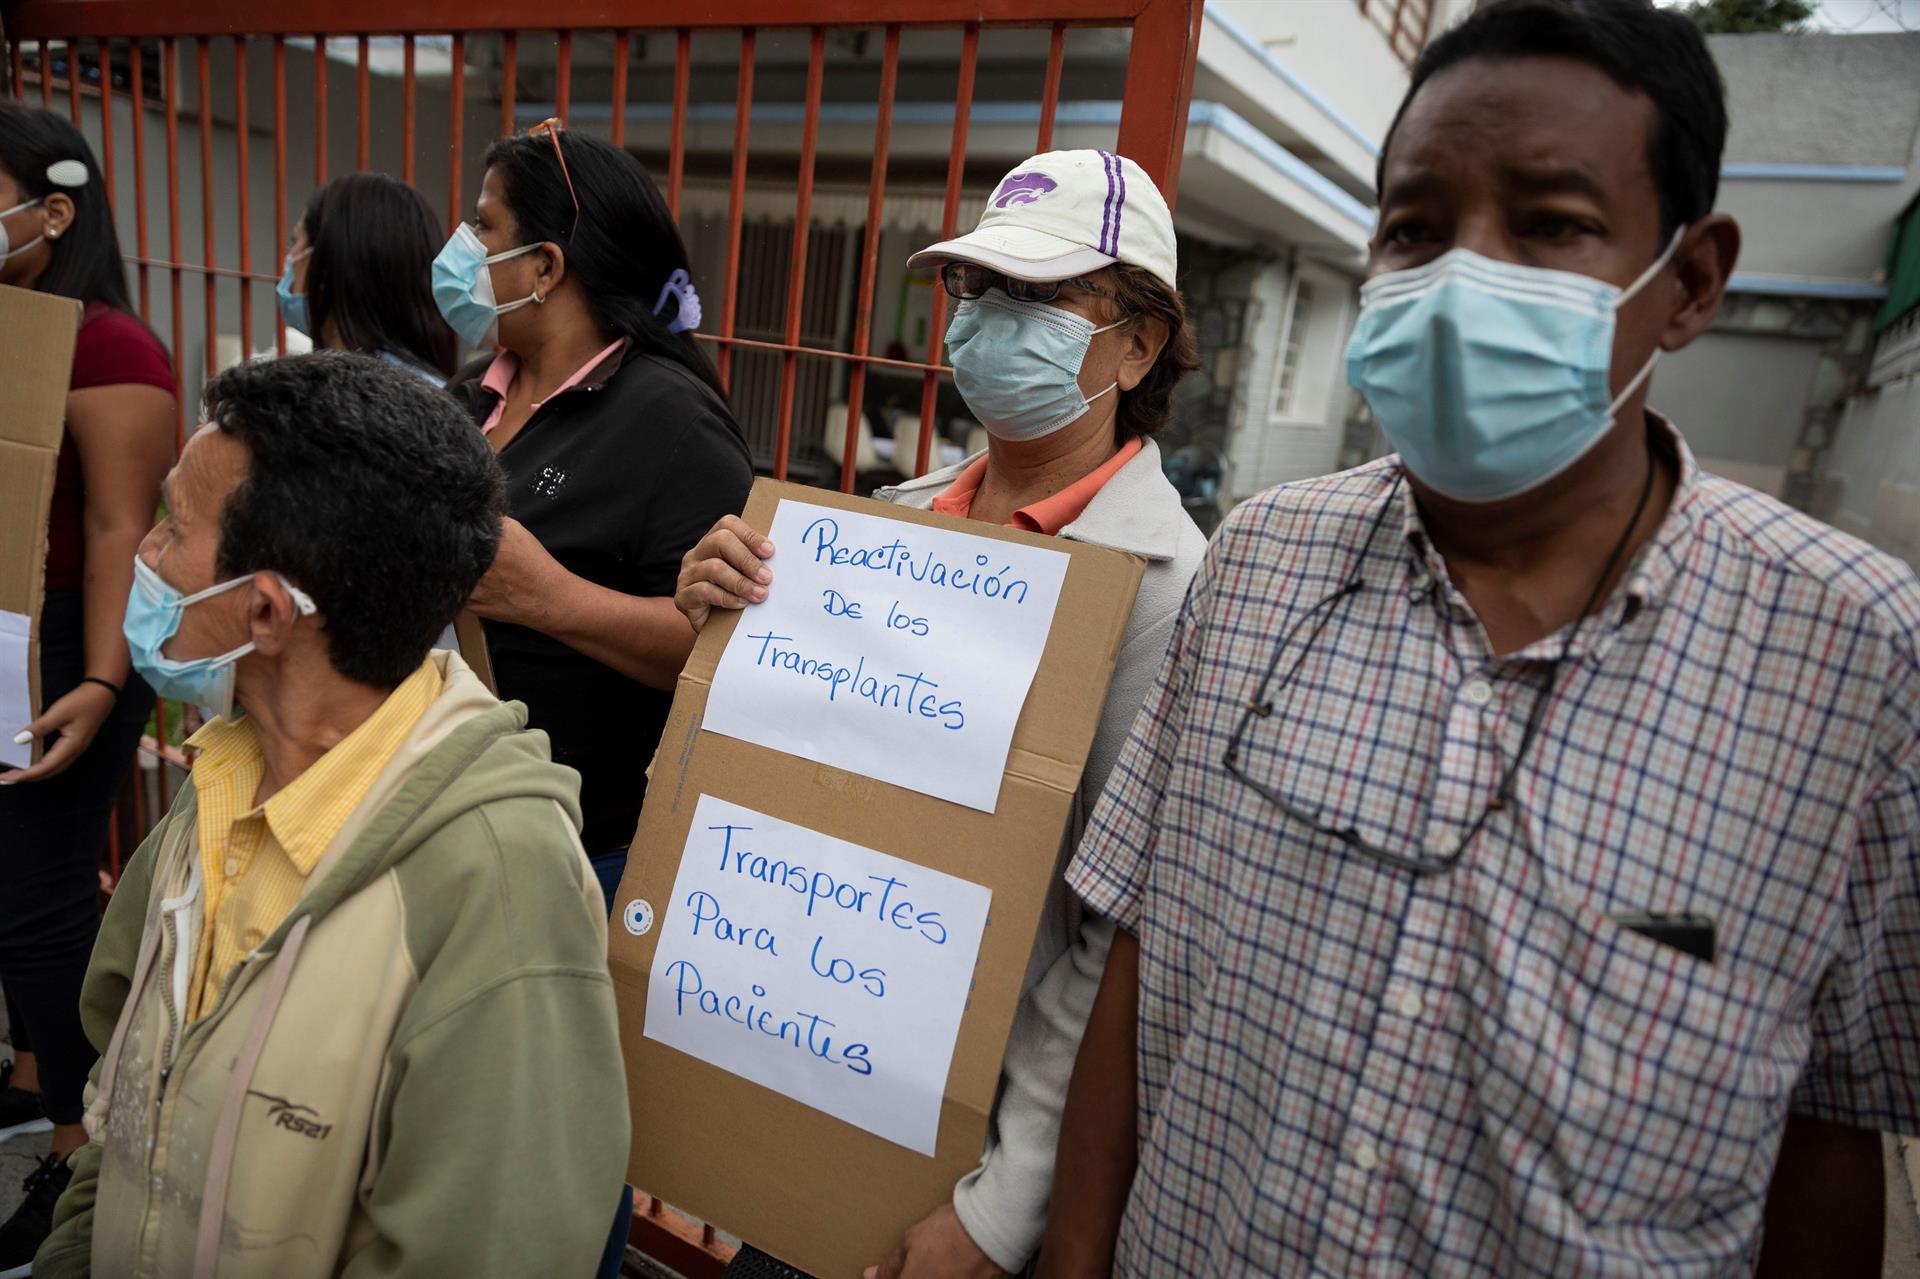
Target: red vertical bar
point(203, 52)
point(1050, 95)
point(870, 253)
point(736, 198)
point(319, 111)
point(1153, 111)
point(456, 129)
point(363, 84)
point(509, 79)
point(19, 69)
point(46, 76)
point(956, 165)
point(170, 77)
point(563, 76)
point(407, 93)
point(621, 55)
point(677, 151)
point(797, 279)
point(73, 81)
point(242, 140)
point(137, 94)
point(279, 168)
point(104, 50)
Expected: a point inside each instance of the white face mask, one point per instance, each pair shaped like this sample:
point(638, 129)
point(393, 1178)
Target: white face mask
point(5, 252)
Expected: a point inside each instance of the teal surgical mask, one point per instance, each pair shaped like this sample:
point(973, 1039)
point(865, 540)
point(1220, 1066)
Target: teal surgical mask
point(463, 287)
point(293, 306)
point(154, 609)
point(1017, 364)
point(1490, 378)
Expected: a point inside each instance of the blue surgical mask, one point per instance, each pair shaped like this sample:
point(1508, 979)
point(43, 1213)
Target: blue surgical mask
point(1017, 364)
point(1490, 378)
point(463, 287)
point(293, 306)
point(7, 250)
point(154, 609)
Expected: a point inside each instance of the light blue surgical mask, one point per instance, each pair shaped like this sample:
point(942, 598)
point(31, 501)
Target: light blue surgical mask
point(293, 306)
point(1017, 364)
point(1490, 378)
point(154, 609)
point(463, 287)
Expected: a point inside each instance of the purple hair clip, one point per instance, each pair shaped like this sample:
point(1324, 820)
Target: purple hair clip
point(687, 312)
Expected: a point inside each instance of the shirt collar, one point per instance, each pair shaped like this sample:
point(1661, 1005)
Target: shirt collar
point(594, 374)
point(302, 820)
point(1137, 510)
point(1648, 577)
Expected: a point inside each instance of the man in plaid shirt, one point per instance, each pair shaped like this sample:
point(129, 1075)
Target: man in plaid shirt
point(1515, 858)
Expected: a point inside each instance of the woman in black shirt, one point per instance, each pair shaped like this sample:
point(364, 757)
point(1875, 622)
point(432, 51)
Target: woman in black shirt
point(619, 448)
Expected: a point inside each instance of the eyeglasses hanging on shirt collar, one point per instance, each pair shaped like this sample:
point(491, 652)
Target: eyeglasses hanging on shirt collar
point(1261, 705)
point(552, 127)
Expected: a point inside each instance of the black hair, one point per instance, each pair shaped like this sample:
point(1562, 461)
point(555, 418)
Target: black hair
point(86, 263)
point(625, 244)
point(1148, 407)
point(369, 490)
point(1659, 52)
point(374, 240)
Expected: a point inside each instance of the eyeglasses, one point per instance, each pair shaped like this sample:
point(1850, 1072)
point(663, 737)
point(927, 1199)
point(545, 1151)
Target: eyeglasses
point(552, 127)
point(1260, 706)
point(969, 281)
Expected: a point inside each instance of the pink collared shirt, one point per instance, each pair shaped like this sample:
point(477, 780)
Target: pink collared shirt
point(506, 366)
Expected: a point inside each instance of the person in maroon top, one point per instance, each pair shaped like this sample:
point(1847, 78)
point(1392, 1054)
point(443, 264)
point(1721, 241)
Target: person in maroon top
point(58, 237)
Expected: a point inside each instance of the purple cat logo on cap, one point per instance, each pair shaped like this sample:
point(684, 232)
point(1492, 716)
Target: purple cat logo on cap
point(1022, 188)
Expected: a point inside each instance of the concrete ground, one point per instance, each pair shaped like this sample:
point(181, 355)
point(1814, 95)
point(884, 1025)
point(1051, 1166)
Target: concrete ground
point(19, 1155)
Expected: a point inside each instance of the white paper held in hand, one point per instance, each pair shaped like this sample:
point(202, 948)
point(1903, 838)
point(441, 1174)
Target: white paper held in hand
point(16, 698)
point(892, 650)
point(831, 973)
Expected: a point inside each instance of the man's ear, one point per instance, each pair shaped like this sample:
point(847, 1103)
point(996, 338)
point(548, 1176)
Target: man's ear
point(1703, 264)
point(272, 613)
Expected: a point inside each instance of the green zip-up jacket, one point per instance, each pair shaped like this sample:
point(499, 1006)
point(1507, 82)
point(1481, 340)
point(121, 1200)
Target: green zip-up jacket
point(418, 1073)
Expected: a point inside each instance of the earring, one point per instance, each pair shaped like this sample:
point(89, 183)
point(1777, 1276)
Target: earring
point(537, 299)
point(53, 233)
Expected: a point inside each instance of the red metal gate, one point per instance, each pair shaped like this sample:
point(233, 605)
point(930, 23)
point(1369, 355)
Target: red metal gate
point(108, 58)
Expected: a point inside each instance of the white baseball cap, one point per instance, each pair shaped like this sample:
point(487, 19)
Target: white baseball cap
point(1063, 214)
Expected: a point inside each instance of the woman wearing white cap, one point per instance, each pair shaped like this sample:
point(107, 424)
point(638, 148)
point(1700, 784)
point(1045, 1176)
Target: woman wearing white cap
point(1066, 343)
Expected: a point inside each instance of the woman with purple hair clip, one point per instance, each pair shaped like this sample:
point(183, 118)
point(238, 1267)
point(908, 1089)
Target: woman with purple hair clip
point(618, 444)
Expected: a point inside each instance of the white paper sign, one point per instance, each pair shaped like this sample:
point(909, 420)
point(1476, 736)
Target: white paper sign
point(16, 697)
point(828, 972)
point(889, 649)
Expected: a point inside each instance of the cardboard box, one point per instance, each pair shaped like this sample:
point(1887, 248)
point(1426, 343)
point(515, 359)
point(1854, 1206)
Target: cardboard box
point(821, 1194)
point(37, 332)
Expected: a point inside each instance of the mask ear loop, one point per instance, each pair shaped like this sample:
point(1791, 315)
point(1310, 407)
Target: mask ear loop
point(1626, 294)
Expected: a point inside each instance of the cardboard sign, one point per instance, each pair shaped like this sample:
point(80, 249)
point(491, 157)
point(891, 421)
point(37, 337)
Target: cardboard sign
point(37, 332)
point(826, 1193)
point(890, 650)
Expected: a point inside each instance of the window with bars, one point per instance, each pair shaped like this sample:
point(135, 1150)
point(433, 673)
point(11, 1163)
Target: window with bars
point(1405, 24)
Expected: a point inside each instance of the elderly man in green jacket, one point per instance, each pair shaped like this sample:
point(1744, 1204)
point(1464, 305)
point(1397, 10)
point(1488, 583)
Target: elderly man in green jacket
point(351, 996)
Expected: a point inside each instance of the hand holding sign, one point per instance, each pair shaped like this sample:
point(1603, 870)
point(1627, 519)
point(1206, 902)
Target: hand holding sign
point(723, 570)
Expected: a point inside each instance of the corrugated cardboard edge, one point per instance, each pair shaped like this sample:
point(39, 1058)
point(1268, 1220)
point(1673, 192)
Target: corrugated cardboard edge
point(745, 1158)
point(37, 335)
point(471, 635)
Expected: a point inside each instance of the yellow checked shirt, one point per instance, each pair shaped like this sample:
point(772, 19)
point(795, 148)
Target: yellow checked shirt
point(255, 859)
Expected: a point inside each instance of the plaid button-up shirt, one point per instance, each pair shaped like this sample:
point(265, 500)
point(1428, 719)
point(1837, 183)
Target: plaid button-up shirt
point(1347, 1069)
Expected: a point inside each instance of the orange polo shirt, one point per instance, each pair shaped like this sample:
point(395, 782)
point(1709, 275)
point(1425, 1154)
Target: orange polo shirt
point(1050, 514)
